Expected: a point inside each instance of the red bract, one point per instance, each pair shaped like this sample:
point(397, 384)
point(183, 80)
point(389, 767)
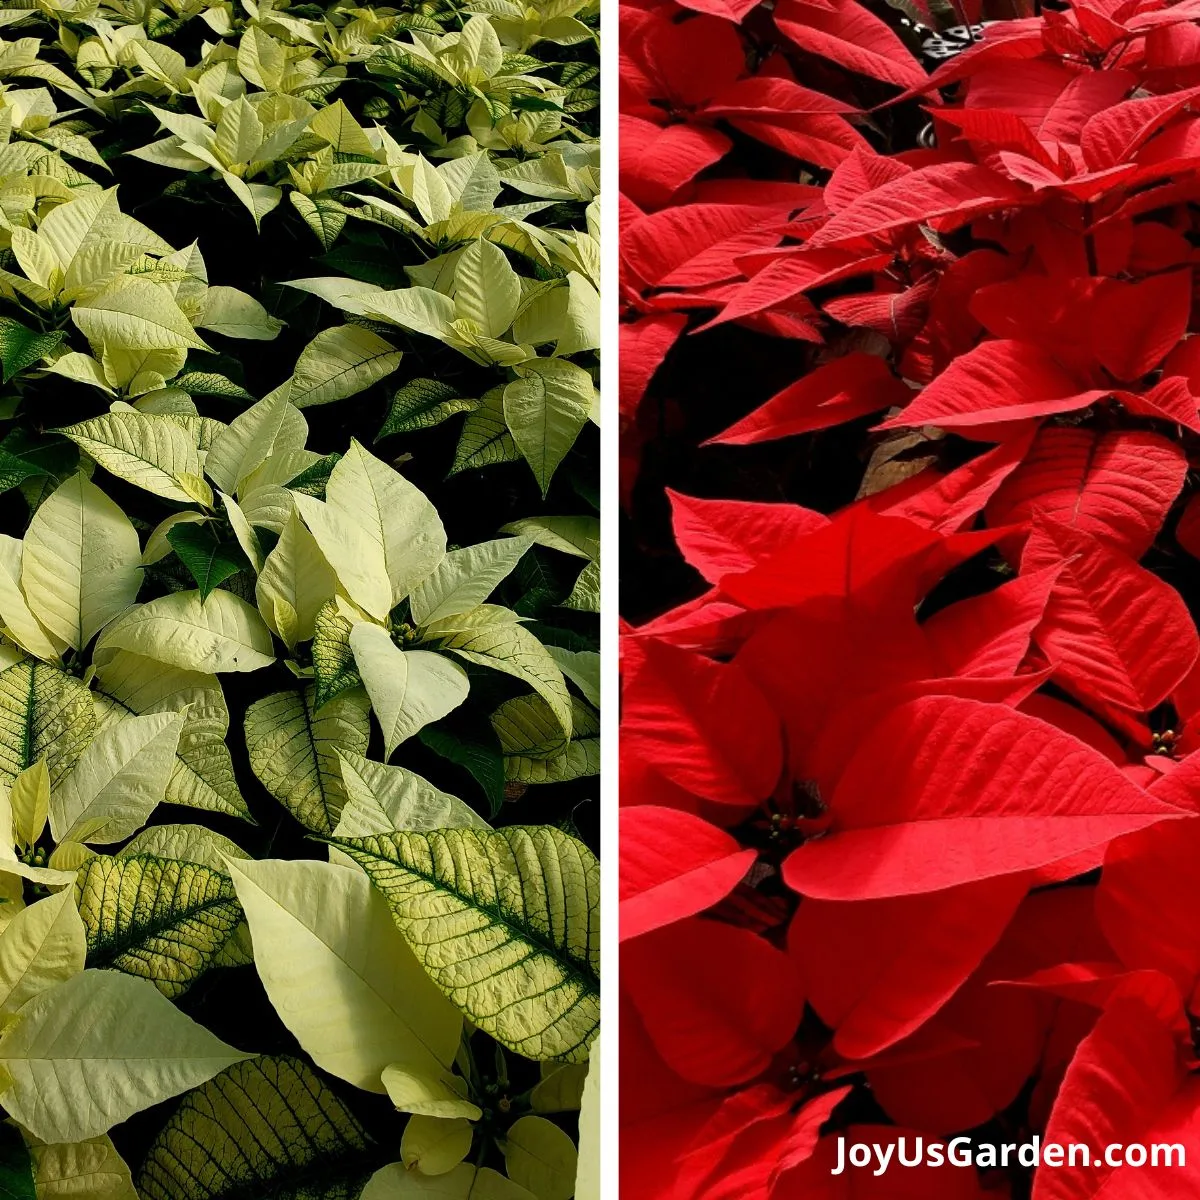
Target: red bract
point(911, 680)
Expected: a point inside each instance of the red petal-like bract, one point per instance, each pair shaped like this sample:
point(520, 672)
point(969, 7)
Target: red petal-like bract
point(703, 725)
point(673, 865)
point(717, 1001)
point(910, 743)
point(945, 791)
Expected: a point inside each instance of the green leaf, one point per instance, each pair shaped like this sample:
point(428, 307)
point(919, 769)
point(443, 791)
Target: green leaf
point(209, 558)
point(157, 918)
point(409, 689)
point(267, 1127)
point(16, 1167)
point(44, 713)
point(472, 745)
point(325, 218)
point(294, 751)
point(535, 750)
point(313, 480)
point(209, 383)
point(339, 974)
point(422, 404)
point(21, 347)
point(333, 660)
point(85, 1055)
point(485, 439)
point(532, 979)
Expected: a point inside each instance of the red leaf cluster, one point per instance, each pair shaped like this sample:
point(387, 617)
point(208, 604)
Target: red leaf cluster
point(910, 785)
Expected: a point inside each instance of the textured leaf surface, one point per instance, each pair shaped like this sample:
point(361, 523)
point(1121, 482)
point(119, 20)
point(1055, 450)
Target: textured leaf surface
point(506, 923)
point(44, 713)
point(267, 1126)
point(159, 919)
point(338, 972)
point(294, 749)
point(94, 1050)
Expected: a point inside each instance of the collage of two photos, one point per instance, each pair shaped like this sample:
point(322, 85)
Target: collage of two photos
point(327, 370)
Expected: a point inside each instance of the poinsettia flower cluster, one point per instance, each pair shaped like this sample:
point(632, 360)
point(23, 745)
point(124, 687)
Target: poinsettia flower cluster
point(910, 836)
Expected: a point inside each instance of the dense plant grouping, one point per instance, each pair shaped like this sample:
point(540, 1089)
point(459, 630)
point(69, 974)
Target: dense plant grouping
point(299, 677)
point(925, 752)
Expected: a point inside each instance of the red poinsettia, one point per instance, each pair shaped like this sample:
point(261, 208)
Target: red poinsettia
point(910, 773)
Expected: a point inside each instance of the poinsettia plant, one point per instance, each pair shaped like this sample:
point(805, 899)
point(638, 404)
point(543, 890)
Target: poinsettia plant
point(911, 411)
point(299, 578)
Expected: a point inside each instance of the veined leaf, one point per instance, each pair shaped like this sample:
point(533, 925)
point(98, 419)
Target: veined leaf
point(118, 781)
point(222, 633)
point(294, 749)
point(383, 799)
point(339, 362)
point(43, 945)
point(409, 689)
point(333, 660)
point(94, 1050)
point(203, 776)
point(545, 408)
point(80, 564)
point(520, 905)
point(492, 639)
point(338, 973)
point(209, 558)
point(534, 748)
point(21, 347)
point(91, 1168)
point(188, 843)
point(44, 713)
point(421, 404)
point(465, 578)
point(148, 450)
point(378, 532)
point(157, 918)
point(485, 439)
point(269, 1126)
